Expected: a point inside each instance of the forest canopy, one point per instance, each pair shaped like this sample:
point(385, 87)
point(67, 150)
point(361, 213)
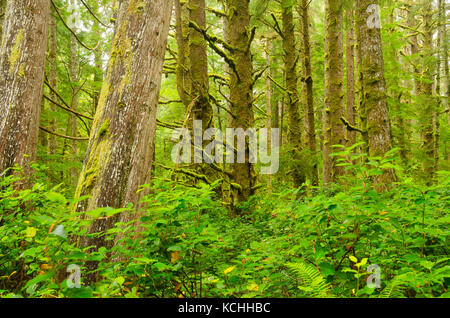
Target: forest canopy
point(224, 149)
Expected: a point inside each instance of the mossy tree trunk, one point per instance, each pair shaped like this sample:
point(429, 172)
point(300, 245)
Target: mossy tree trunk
point(182, 37)
point(22, 67)
point(74, 103)
point(120, 152)
point(334, 131)
point(98, 59)
point(373, 87)
point(202, 109)
point(350, 63)
point(308, 96)
point(52, 75)
point(241, 92)
point(2, 14)
point(295, 126)
point(428, 102)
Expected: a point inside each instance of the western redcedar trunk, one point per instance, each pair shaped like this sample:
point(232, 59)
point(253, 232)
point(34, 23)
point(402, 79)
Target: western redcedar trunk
point(292, 98)
point(22, 66)
point(120, 152)
point(334, 89)
point(373, 86)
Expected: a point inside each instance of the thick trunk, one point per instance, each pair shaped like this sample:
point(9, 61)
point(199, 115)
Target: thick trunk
point(334, 89)
point(120, 152)
point(241, 92)
point(292, 97)
point(22, 67)
point(373, 86)
point(308, 88)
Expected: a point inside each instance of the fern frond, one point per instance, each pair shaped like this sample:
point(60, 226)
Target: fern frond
point(312, 282)
point(395, 289)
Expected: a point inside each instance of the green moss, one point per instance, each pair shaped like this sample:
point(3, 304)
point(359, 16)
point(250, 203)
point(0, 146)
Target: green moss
point(90, 178)
point(21, 72)
point(104, 128)
point(15, 52)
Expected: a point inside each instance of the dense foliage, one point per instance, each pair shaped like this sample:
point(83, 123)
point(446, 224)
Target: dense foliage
point(290, 244)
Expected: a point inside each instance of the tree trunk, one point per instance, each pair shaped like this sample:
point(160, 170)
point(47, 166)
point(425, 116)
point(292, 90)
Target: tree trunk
point(120, 152)
point(308, 89)
point(182, 36)
point(373, 86)
point(22, 67)
point(202, 109)
point(268, 109)
point(241, 92)
point(350, 59)
point(74, 103)
point(52, 76)
point(334, 89)
point(429, 107)
point(292, 98)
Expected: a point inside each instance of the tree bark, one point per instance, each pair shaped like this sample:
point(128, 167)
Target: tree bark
point(373, 87)
point(291, 57)
point(334, 130)
point(22, 66)
point(350, 60)
point(74, 104)
point(52, 76)
point(308, 89)
point(182, 36)
point(241, 92)
point(120, 152)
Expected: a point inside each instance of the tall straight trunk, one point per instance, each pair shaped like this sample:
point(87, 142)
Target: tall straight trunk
point(436, 112)
point(446, 80)
point(397, 96)
point(268, 108)
point(182, 36)
point(74, 104)
point(22, 67)
point(334, 89)
point(308, 88)
point(292, 98)
point(52, 76)
point(350, 61)
point(373, 86)
point(98, 56)
point(202, 109)
point(241, 92)
point(120, 152)
point(429, 107)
